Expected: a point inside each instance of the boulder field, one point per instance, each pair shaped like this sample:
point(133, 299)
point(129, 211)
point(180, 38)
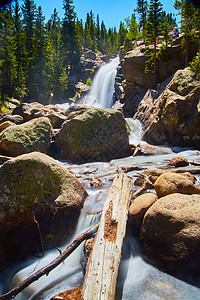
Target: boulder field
point(36, 190)
point(81, 134)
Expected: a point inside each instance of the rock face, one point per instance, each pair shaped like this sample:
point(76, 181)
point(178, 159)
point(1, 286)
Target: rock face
point(33, 135)
point(93, 135)
point(170, 232)
point(36, 186)
point(171, 115)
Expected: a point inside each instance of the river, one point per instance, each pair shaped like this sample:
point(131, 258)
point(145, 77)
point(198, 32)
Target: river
point(137, 279)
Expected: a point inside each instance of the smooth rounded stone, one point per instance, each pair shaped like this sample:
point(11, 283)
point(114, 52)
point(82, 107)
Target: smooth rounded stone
point(5, 125)
point(170, 234)
point(154, 173)
point(178, 161)
point(36, 188)
point(34, 135)
point(138, 208)
point(169, 183)
point(93, 134)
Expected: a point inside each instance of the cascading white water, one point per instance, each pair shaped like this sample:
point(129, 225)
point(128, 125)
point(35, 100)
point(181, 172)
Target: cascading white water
point(101, 93)
point(135, 134)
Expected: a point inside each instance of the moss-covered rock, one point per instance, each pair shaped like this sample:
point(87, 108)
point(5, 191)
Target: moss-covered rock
point(93, 134)
point(33, 135)
point(35, 185)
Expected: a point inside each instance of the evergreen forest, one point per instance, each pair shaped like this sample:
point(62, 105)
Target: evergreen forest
point(37, 57)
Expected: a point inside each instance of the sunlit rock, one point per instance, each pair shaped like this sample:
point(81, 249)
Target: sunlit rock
point(37, 197)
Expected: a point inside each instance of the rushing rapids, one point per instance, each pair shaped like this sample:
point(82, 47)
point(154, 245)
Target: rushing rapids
point(137, 279)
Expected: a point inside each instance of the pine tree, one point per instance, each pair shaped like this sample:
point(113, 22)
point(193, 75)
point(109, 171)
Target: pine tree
point(20, 53)
point(142, 7)
point(167, 25)
point(71, 44)
point(8, 64)
point(132, 33)
point(153, 27)
point(187, 11)
point(29, 11)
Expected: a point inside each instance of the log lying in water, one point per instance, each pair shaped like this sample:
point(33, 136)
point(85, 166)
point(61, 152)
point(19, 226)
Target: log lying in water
point(103, 264)
point(52, 265)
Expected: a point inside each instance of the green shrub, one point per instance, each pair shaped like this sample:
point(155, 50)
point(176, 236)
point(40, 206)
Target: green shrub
point(89, 81)
point(195, 66)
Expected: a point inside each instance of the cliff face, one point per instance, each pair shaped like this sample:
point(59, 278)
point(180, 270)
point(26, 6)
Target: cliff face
point(171, 115)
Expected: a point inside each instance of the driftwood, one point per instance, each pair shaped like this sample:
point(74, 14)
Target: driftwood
point(52, 265)
point(5, 158)
point(103, 264)
point(147, 184)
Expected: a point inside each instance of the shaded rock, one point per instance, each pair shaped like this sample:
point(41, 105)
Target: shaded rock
point(147, 149)
point(17, 119)
point(29, 111)
point(57, 119)
point(178, 161)
point(170, 116)
point(36, 185)
point(170, 232)
point(138, 208)
point(154, 173)
point(93, 135)
point(169, 183)
point(5, 125)
point(34, 135)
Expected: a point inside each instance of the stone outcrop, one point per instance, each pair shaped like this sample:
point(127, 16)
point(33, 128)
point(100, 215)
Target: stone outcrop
point(170, 234)
point(35, 187)
point(93, 134)
point(171, 115)
point(169, 183)
point(34, 135)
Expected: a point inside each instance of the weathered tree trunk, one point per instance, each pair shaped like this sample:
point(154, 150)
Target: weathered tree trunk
point(103, 264)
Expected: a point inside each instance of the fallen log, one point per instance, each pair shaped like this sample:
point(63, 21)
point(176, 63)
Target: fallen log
point(52, 265)
point(103, 264)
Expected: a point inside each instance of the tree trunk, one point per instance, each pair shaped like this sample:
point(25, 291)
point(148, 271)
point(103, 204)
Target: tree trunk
point(103, 264)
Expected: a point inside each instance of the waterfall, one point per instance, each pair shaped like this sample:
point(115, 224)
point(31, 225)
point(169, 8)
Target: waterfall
point(101, 93)
point(135, 131)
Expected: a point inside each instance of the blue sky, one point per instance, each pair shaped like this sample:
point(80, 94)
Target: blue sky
point(110, 11)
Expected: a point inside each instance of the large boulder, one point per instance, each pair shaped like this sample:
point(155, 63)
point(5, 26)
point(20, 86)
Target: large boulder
point(170, 234)
point(36, 188)
point(171, 115)
point(93, 134)
point(34, 135)
point(169, 183)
